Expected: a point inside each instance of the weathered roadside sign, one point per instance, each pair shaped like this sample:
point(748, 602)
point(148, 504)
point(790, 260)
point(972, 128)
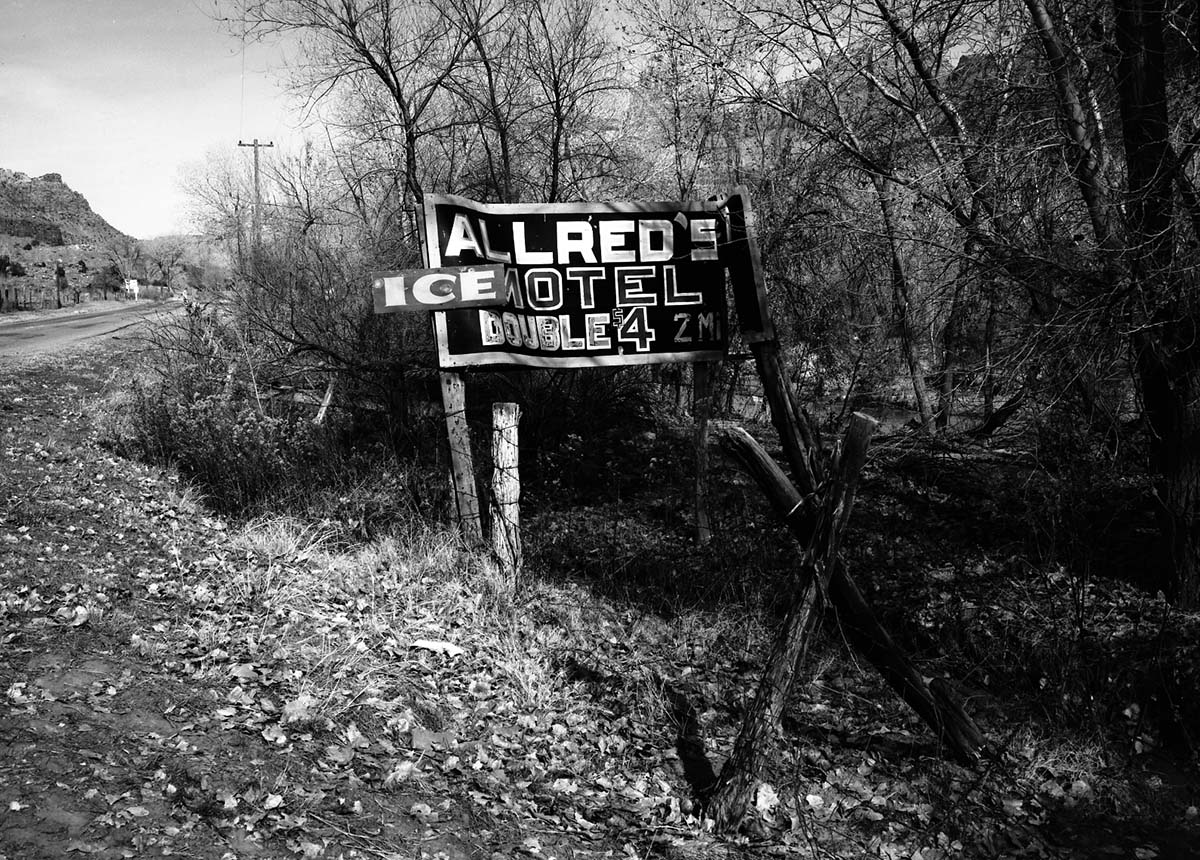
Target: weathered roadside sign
point(589, 284)
point(434, 289)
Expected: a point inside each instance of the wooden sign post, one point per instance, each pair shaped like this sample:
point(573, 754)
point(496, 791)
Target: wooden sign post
point(462, 463)
point(441, 288)
point(557, 285)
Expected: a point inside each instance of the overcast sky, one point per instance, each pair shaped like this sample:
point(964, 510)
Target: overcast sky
point(118, 95)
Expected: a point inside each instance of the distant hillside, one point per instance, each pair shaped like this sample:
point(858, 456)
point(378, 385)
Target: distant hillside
point(47, 210)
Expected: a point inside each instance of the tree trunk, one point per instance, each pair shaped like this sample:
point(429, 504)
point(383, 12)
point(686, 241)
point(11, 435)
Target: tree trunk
point(1168, 357)
point(735, 373)
point(1172, 405)
point(1084, 150)
point(800, 438)
point(801, 446)
point(950, 344)
point(989, 366)
point(902, 297)
point(946, 395)
point(701, 409)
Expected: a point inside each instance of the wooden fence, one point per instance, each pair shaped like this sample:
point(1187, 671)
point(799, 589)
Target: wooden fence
point(17, 297)
point(32, 297)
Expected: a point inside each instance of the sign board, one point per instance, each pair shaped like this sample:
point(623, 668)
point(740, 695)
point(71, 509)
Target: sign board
point(589, 284)
point(439, 289)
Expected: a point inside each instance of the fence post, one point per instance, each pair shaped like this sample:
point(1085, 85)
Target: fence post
point(506, 489)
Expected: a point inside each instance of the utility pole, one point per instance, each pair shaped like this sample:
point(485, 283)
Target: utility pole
point(257, 194)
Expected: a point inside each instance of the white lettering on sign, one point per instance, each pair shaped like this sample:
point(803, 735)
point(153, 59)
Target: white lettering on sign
point(575, 237)
point(543, 288)
point(630, 285)
point(674, 295)
point(602, 242)
point(587, 284)
point(441, 289)
point(555, 333)
point(656, 232)
point(488, 253)
point(543, 332)
point(479, 285)
point(433, 289)
point(586, 279)
point(462, 237)
point(704, 239)
point(523, 255)
point(612, 240)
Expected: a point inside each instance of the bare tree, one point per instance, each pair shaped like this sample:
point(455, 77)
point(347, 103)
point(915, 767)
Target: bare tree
point(125, 255)
point(679, 107)
point(165, 259)
point(573, 63)
point(394, 58)
point(1162, 272)
point(1007, 114)
point(220, 193)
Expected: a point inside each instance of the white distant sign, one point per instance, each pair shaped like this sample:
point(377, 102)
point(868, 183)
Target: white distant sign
point(131, 287)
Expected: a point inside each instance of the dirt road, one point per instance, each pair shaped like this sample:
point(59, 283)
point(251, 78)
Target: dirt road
point(47, 332)
point(116, 742)
point(108, 748)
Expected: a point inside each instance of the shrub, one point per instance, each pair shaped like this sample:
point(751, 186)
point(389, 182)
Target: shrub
point(107, 278)
point(220, 413)
point(575, 424)
point(237, 453)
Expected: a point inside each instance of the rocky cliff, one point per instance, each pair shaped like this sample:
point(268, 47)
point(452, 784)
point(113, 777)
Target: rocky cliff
point(46, 209)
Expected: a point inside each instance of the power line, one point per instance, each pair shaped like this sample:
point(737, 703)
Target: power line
point(242, 105)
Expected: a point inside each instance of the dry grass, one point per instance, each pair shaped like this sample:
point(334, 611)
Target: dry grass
point(346, 620)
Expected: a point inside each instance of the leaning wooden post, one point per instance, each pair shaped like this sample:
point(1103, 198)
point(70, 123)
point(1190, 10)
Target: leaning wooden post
point(808, 504)
point(506, 489)
point(462, 464)
point(733, 794)
point(800, 439)
point(326, 402)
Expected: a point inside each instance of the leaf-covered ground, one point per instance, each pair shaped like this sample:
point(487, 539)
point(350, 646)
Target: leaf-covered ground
point(176, 685)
